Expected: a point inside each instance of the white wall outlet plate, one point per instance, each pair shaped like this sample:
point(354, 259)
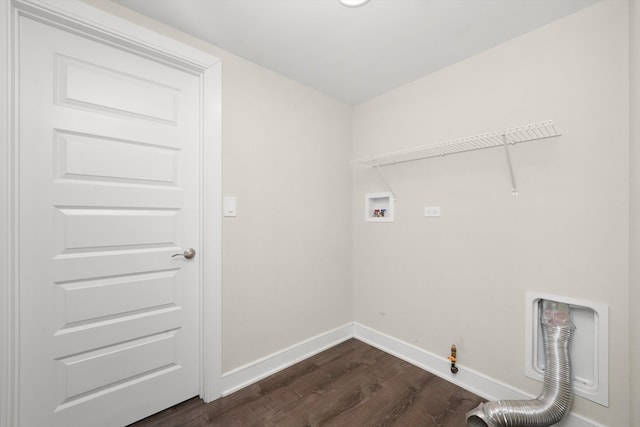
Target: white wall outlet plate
point(432, 211)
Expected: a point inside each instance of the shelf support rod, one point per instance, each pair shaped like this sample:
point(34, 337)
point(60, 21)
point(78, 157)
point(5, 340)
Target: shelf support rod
point(384, 178)
point(514, 186)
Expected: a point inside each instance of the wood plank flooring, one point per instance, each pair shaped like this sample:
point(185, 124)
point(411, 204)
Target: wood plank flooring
point(351, 384)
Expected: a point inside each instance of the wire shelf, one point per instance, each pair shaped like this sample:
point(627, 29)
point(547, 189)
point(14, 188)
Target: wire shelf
point(530, 132)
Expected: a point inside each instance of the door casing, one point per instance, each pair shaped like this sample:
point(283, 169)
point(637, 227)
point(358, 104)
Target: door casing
point(74, 15)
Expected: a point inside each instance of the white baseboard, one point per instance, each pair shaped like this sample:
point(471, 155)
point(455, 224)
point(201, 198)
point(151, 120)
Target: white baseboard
point(468, 379)
point(438, 365)
point(262, 368)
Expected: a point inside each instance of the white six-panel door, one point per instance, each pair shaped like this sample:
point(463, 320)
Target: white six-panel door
point(108, 184)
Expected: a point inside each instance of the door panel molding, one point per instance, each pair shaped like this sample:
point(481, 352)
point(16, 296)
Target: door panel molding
point(83, 19)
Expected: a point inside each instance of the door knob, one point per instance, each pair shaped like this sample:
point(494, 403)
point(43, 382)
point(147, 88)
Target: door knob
point(188, 253)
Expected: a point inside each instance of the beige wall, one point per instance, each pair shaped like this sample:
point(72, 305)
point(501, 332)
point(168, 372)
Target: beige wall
point(461, 278)
point(634, 256)
point(287, 255)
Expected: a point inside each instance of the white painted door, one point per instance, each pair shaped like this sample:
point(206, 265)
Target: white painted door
point(108, 192)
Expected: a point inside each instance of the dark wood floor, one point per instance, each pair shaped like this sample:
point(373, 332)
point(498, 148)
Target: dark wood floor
point(352, 384)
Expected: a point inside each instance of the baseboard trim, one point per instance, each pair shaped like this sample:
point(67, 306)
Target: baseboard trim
point(466, 378)
point(262, 368)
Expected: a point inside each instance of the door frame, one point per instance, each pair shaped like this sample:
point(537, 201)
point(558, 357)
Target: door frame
point(88, 21)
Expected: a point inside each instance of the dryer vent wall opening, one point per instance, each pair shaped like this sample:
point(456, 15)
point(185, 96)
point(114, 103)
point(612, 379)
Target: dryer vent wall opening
point(554, 401)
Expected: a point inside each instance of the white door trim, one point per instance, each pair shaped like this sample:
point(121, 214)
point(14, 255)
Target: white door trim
point(8, 341)
point(87, 20)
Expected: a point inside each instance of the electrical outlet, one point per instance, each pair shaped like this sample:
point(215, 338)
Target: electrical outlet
point(432, 211)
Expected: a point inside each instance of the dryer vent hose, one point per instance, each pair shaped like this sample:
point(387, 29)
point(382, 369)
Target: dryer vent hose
point(557, 393)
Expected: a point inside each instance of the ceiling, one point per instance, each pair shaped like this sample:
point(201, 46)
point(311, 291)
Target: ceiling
point(355, 54)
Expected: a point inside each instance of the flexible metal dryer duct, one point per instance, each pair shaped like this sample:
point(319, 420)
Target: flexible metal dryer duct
point(557, 393)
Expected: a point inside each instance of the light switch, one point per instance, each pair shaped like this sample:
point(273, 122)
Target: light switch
point(230, 206)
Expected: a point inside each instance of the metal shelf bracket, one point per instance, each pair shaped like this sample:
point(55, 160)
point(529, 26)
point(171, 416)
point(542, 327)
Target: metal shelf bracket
point(384, 178)
point(514, 186)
